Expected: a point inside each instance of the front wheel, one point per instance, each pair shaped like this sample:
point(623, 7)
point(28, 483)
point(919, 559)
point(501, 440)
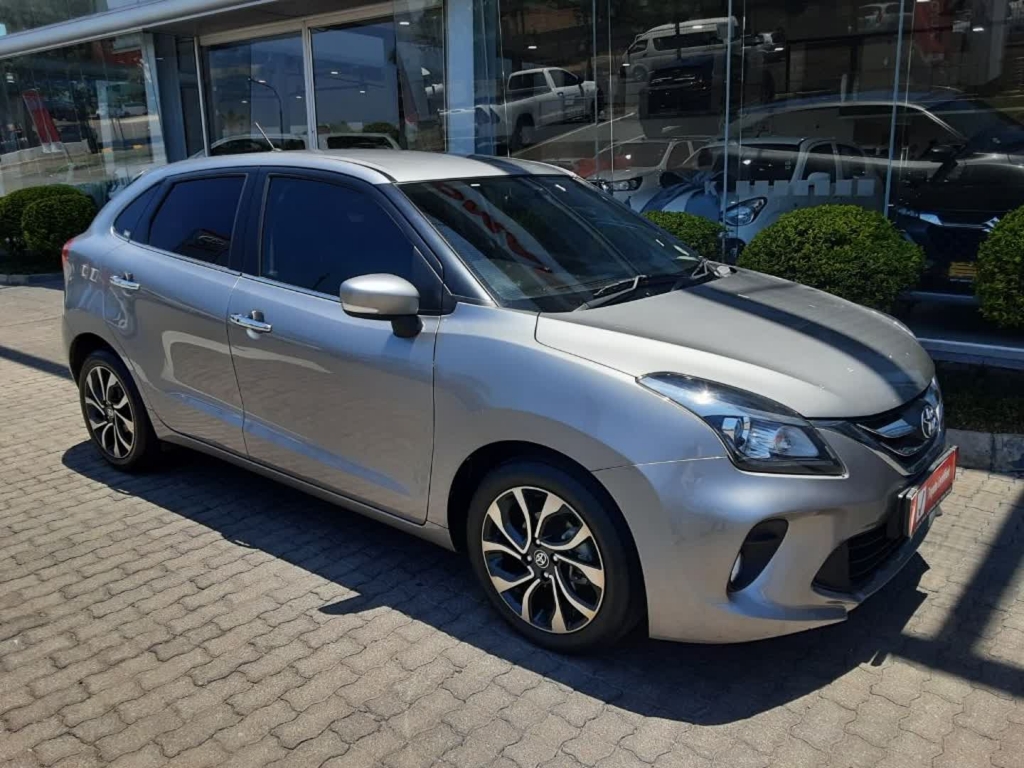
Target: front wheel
point(114, 413)
point(553, 556)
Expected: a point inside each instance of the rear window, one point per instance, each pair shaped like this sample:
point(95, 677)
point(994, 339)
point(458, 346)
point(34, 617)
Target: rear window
point(197, 218)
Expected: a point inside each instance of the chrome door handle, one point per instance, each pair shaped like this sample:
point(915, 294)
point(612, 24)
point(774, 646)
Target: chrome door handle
point(124, 283)
point(251, 324)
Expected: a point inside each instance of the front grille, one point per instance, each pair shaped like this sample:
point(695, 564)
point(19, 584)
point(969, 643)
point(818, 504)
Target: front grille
point(856, 561)
point(908, 434)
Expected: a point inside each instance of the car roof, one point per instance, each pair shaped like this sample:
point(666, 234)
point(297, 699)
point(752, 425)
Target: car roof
point(377, 166)
point(759, 140)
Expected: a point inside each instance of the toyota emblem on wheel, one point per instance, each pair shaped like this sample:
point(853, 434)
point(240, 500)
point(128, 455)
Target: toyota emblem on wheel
point(929, 421)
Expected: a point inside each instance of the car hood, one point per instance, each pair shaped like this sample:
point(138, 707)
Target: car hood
point(820, 355)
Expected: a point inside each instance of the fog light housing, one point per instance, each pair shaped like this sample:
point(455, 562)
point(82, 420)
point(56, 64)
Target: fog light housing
point(757, 551)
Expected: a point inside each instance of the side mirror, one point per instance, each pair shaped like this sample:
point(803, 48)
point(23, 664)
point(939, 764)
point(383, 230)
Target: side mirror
point(819, 176)
point(383, 297)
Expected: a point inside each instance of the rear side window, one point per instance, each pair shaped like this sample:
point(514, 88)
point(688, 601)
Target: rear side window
point(127, 221)
point(197, 217)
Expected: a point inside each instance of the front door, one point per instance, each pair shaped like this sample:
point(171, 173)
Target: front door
point(168, 304)
point(338, 401)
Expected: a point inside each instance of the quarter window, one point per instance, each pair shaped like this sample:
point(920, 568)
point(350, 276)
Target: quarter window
point(197, 218)
point(127, 222)
point(316, 235)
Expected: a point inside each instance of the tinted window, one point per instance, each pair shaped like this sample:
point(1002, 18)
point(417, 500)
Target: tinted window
point(686, 40)
point(526, 81)
point(128, 220)
point(197, 217)
point(563, 79)
point(821, 159)
point(851, 160)
point(317, 235)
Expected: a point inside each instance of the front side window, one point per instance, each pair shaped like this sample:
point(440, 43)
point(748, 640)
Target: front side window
point(197, 218)
point(821, 159)
point(316, 235)
point(547, 243)
point(563, 79)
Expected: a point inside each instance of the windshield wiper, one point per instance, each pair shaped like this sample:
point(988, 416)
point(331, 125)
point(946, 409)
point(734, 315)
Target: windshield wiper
point(618, 289)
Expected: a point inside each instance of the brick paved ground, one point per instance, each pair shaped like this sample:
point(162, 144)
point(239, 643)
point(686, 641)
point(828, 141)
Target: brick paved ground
point(204, 616)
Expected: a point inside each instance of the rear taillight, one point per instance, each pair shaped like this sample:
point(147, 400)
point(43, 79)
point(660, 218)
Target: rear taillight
point(65, 255)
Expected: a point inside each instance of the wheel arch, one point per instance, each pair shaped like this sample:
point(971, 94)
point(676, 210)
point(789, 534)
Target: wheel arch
point(83, 345)
point(483, 460)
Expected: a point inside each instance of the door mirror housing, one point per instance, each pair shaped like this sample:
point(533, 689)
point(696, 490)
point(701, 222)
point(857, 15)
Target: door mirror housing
point(383, 297)
point(819, 176)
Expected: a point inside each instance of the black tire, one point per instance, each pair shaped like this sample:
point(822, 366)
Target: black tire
point(620, 604)
point(130, 450)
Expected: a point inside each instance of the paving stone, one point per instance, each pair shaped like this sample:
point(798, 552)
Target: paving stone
point(201, 616)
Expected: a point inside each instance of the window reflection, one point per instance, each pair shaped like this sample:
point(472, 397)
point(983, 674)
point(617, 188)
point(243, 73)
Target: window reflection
point(84, 114)
point(256, 95)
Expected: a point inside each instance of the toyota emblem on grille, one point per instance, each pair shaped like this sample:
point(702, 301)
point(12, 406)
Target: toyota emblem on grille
point(929, 421)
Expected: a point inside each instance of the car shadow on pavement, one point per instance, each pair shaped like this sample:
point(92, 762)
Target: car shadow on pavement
point(375, 566)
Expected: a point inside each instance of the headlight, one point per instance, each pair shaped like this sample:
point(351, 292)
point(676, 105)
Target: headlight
point(741, 214)
point(759, 434)
point(625, 185)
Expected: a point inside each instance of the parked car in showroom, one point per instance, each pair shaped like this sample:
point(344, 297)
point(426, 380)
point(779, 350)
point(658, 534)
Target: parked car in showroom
point(682, 69)
point(536, 98)
point(931, 126)
point(631, 172)
point(766, 178)
point(955, 210)
point(495, 356)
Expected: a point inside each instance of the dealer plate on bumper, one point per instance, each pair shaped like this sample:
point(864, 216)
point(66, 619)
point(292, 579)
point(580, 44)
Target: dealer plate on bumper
point(920, 501)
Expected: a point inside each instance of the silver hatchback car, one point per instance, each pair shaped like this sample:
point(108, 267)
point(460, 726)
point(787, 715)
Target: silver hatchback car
point(521, 369)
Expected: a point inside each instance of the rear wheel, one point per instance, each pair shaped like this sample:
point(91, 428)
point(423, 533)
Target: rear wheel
point(553, 556)
point(114, 413)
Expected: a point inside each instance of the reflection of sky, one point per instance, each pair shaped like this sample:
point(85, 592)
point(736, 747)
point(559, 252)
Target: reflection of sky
point(356, 78)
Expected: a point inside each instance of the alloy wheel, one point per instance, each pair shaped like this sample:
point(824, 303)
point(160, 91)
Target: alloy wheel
point(108, 411)
point(543, 560)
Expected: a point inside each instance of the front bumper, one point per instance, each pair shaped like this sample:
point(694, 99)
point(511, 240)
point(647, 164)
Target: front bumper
point(689, 520)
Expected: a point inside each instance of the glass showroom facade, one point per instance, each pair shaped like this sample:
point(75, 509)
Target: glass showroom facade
point(736, 110)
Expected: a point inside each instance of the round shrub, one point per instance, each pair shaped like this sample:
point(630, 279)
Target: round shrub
point(12, 208)
point(49, 223)
point(843, 249)
point(1000, 281)
point(695, 231)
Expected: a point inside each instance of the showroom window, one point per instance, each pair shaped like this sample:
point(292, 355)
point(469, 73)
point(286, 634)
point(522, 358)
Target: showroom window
point(918, 99)
point(85, 115)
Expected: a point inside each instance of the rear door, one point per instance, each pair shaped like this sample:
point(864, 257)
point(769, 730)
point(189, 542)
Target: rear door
point(170, 285)
point(338, 401)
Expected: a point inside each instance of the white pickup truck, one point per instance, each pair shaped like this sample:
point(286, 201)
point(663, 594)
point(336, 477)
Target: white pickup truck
point(540, 97)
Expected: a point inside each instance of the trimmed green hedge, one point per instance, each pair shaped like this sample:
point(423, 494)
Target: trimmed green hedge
point(49, 223)
point(843, 249)
point(12, 209)
point(695, 231)
point(1000, 282)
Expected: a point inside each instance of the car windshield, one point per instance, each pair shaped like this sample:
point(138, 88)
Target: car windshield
point(641, 154)
point(973, 118)
point(547, 243)
point(752, 162)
